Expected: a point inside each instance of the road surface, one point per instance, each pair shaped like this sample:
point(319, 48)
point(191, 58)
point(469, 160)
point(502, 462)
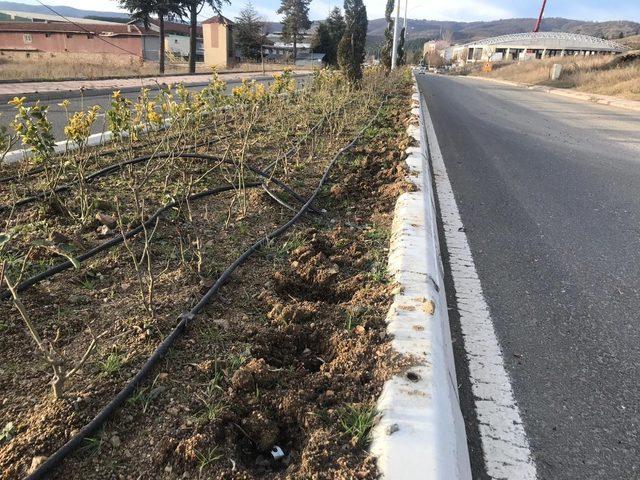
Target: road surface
point(548, 190)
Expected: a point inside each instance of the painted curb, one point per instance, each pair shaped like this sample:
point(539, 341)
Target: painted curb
point(420, 433)
point(587, 97)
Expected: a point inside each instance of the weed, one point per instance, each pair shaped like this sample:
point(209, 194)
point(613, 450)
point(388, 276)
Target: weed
point(145, 396)
point(112, 364)
point(207, 458)
point(357, 421)
point(92, 446)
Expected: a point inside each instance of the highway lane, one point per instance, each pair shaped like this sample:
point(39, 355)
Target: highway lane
point(548, 189)
point(77, 101)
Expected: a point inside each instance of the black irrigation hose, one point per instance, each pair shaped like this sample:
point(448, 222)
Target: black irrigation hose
point(114, 241)
point(75, 441)
point(115, 151)
point(29, 282)
point(118, 166)
point(133, 161)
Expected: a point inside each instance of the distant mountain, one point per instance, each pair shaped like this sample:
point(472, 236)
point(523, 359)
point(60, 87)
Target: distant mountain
point(61, 9)
point(469, 31)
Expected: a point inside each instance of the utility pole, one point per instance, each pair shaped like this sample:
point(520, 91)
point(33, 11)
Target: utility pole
point(406, 5)
point(394, 54)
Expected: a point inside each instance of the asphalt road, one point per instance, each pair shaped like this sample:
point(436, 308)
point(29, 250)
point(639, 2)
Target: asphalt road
point(58, 116)
point(549, 192)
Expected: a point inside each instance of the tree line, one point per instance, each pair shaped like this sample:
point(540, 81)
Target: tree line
point(341, 37)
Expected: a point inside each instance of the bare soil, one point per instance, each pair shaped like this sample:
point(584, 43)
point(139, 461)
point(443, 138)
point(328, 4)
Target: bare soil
point(291, 354)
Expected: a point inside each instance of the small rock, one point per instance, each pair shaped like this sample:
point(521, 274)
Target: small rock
point(359, 330)
point(106, 220)
point(36, 462)
point(79, 299)
point(103, 231)
point(115, 441)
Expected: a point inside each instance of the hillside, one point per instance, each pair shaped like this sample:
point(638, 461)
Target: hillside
point(61, 9)
point(465, 32)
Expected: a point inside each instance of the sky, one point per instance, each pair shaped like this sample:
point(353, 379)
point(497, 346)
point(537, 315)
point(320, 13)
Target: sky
point(459, 10)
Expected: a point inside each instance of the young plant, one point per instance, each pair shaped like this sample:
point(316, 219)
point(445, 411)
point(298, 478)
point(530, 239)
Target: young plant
point(34, 129)
point(283, 83)
point(250, 92)
point(142, 263)
point(357, 421)
point(120, 116)
point(78, 130)
point(7, 141)
point(60, 365)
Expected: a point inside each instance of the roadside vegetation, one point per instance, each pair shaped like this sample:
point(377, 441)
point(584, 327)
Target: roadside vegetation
point(606, 75)
point(278, 374)
point(51, 67)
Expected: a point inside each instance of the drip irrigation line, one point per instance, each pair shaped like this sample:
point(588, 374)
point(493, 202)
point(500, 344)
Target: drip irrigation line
point(118, 166)
point(133, 161)
point(114, 151)
point(184, 319)
point(29, 282)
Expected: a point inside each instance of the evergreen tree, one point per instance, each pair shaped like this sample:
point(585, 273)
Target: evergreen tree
point(295, 22)
point(143, 10)
point(401, 53)
point(249, 32)
point(328, 36)
point(387, 47)
point(351, 50)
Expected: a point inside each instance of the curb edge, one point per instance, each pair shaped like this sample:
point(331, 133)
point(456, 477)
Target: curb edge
point(420, 433)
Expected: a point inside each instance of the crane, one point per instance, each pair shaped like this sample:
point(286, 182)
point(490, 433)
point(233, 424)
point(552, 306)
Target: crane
point(536, 29)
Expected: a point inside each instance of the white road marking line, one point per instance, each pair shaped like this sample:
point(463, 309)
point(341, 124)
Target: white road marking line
point(504, 443)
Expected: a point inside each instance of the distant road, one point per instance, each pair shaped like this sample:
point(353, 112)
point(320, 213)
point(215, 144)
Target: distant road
point(82, 100)
point(548, 189)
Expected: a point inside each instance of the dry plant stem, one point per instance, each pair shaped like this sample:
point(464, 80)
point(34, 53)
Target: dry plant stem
point(48, 349)
point(143, 264)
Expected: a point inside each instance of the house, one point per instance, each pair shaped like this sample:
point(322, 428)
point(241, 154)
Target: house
point(65, 37)
point(277, 49)
point(217, 34)
point(177, 37)
point(310, 60)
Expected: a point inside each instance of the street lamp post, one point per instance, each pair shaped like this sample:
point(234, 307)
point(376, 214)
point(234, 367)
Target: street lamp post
point(394, 53)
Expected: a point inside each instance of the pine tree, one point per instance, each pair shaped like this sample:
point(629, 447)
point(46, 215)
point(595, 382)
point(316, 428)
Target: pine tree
point(143, 10)
point(351, 50)
point(328, 36)
point(249, 32)
point(387, 47)
point(295, 21)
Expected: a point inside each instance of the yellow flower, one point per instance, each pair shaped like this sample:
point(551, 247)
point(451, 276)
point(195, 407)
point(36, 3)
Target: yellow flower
point(17, 102)
point(64, 104)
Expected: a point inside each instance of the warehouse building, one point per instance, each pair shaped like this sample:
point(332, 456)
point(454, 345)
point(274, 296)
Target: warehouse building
point(528, 46)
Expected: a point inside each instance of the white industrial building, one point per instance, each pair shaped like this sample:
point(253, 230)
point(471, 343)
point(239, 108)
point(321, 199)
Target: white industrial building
point(528, 46)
